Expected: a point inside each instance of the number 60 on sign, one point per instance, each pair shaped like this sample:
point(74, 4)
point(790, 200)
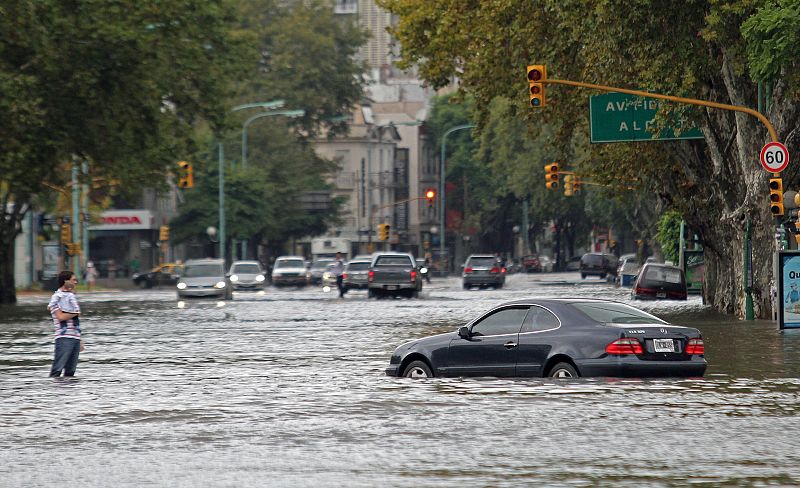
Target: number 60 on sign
point(774, 157)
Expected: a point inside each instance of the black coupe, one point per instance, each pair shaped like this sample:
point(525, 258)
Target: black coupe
point(557, 337)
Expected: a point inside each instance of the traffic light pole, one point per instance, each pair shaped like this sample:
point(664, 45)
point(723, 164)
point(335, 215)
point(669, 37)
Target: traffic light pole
point(442, 229)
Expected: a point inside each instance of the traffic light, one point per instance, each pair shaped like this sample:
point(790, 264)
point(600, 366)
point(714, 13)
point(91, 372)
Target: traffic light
point(551, 176)
point(576, 185)
point(383, 232)
point(66, 233)
point(537, 73)
point(776, 196)
point(186, 178)
point(163, 233)
point(430, 196)
point(569, 185)
point(74, 248)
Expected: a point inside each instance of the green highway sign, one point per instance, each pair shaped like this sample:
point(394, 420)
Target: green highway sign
point(618, 117)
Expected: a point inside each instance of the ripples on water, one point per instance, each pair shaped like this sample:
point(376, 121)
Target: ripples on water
point(288, 389)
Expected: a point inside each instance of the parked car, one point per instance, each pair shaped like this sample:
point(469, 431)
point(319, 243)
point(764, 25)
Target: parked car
point(627, 269)
point(318, 267)
point(355, 275)
point(658, 281)
point(204, 278)
point(531, 264)
point(597, 264)
point(290, 271)
point(546, 264)
point(483, 270)
point(559, 338)
point(573, 264)
point(164, 274)
point(246, 275)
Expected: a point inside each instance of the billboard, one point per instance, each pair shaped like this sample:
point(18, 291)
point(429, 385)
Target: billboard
point(789, 289)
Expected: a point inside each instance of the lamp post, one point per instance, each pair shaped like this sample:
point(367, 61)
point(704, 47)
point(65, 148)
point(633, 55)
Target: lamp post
point(441, 189)
point(287, 113)
point(221, 156)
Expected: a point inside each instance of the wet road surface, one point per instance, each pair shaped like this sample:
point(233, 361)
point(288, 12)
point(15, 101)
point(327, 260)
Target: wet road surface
point(287, 389)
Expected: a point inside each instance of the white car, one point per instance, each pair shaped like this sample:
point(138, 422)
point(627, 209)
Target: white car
point(246, 275)
point(290, 271)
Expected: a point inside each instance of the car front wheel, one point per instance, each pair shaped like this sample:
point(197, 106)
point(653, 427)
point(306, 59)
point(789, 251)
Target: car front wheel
point(563, 370)
point(417, 369)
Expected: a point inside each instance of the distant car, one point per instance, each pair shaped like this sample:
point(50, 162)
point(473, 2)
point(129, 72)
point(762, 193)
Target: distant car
point(573, 264)
point(531, 264)
point(290, 271)
point(204, 278)
point(627, 269)
point(246, 275)
point(316, 270)
point(164, 274)
point(658, 281)
point(547, 264)
point(598, 264)
point(561, 338)
point(355, 276)
point(483, 270)
point(329, 276)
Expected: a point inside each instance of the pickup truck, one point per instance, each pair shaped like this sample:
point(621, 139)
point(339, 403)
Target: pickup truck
point(395, 274)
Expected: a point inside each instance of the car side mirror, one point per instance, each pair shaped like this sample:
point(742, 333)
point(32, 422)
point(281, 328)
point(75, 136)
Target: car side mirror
point(463, 332)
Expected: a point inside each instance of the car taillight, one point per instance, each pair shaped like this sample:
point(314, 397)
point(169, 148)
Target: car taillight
point(695, 346)
point(494, 270)
point(371, 275)
point(468, 270)
point(413, 275)
point(344, 276)
point(503, 270)
point(625, 346)
point(645, 291)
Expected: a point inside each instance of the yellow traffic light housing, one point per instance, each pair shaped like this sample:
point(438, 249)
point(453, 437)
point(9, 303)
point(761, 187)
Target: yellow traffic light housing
point(569, 185)
point(383, 232)
point(776, 196)
point(186, 178)
point(551, 176)
point(66, 233)
point(430, 196)
point(163, 233)
point(537, 73)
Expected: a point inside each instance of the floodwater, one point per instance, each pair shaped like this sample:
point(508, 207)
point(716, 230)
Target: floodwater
point(288, 389)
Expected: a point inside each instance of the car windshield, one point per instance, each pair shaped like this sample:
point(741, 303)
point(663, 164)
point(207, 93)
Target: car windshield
point(357, 266)
point(481, 262)
point(662, 273)
point(393, 261)
point(246, 268)
point(290, 263)
point(321, 264)
point(199, 270)
point(615, 313)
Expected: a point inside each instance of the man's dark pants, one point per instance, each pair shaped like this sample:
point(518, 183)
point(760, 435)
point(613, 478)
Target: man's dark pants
point(66, 356)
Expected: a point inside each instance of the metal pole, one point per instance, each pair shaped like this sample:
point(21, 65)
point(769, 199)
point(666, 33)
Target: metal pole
point(76, 194)
point(85, 206)
point(442, 230)
point(221, 202)
point(526, 246)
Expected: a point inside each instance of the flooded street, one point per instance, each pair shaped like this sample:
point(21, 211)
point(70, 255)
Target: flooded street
point(288, 389)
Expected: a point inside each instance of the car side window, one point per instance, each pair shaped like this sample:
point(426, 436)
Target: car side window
point(505, 321)
point(538, 319)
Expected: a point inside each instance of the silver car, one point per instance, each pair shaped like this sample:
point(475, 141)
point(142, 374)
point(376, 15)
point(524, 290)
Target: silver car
point(356, 275)
point(204, 278)
point(290, 271)
point(317, 269)
point(246, 275)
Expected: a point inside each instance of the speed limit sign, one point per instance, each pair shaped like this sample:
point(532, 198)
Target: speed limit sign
point(774, 157)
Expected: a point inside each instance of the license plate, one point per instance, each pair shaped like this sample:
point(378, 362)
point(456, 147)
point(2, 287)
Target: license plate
point(664, 345)
point(661, 294)
point(391, 287)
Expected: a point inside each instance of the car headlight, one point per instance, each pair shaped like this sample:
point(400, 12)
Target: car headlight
point(260, 278)
point(181, 286)
point(220, 285)
point(326, 275)
point(423, 270)
point(234, 278)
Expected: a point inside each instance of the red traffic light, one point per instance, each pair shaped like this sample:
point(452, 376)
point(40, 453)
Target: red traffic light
point(534, 75)
point(536, 89)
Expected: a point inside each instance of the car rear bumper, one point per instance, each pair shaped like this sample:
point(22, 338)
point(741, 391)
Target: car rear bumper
point(633, 367)
point(482, 281)
point(392, 286)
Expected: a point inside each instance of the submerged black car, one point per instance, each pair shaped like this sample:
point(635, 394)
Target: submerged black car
point(557, 338)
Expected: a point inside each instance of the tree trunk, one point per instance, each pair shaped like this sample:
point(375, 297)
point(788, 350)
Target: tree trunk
point(8, 292)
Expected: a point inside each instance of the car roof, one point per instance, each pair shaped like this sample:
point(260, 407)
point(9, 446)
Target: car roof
point(562, 301)
point(481, 256)
point(359, 260)
point(660, 265)
point(290, 257)
point(190, 262)
point(245, 262)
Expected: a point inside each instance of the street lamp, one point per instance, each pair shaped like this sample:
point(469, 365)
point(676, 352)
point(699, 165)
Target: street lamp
point(287, 113)
point(441, 188)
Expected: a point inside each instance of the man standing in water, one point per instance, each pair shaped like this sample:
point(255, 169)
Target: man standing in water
point(338, 270)
point(68, 332)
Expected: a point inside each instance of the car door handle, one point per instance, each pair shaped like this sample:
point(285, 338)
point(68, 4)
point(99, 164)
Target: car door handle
point(509, 345)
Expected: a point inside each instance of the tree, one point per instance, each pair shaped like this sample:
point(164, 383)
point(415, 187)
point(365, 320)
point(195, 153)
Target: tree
point(711, 54)
point(121, 85)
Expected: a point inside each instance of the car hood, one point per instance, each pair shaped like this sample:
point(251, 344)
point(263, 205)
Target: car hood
point(288, 270)
point(247, 276)
point(202, 280)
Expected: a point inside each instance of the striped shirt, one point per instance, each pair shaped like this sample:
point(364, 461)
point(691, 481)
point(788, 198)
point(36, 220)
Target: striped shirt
point(65, 301)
